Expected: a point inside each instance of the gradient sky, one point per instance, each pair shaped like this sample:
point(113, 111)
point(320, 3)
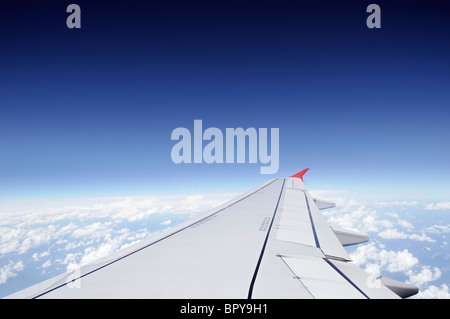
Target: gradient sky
point(90, 111)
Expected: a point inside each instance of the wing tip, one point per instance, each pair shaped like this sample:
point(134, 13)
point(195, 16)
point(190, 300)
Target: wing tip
point(300, 174)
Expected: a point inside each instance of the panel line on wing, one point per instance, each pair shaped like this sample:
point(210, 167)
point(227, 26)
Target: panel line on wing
point(250, 292)
point(295, 275)
point(345, 277)
point(316, 239)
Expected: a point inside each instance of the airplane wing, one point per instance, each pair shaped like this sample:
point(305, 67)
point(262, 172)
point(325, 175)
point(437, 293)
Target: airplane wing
point(271, 242)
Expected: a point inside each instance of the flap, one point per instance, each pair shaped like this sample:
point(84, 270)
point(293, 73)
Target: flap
point(402, 289)
point(323, 204)
point(349, 237)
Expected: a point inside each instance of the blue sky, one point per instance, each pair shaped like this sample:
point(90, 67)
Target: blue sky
point(89, 112)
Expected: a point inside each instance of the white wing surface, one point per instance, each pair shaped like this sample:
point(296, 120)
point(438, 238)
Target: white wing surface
point(271, 242)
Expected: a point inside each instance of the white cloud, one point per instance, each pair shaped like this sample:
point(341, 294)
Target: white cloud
point(138, 235)
point(434, 292)
point(392, 261)
point(37, 256)
point(398, 261)
point(424, 276)
point(115, 208)
point(90, 254)
point(94, 230)
point(71, 261)
point(166, 222)
point(47, 264)
point(421, 237)
point(10, 270)
point(336, 196)
point(37, 236)
point(107, 245)
point(94, 253)
point(10, 238)
point(397, 203)
point(421, 280)
point(361, 219)
point(23, 230)
point(44, 254)
point(393, 233)
point(437, 229)
point(365, 219)
point(405, 224)
point(374, 259)
point(438, 206)
point(373, 269)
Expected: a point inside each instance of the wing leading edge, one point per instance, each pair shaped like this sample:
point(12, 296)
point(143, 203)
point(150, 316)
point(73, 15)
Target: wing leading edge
point(271, 242)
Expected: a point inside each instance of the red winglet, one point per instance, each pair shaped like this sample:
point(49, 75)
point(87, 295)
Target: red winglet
point(300, 174)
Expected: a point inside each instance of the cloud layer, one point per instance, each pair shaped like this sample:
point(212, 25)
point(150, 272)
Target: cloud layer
point(57, 239)
point(398, 224)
